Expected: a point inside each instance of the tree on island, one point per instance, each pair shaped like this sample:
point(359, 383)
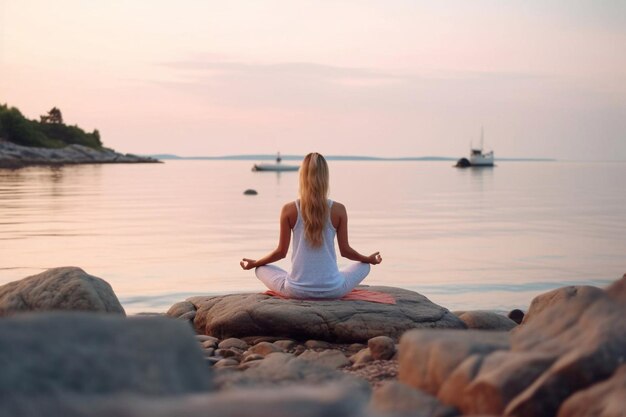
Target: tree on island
point(48, 132)
point(54, 116)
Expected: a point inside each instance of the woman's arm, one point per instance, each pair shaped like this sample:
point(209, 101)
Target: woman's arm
point(287, 221)
point(342, 239)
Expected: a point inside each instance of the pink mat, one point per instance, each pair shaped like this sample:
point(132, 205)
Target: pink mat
point(355, 294)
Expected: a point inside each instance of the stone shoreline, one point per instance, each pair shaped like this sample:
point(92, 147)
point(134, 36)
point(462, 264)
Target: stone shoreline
point(14, 156)
point(567, 358)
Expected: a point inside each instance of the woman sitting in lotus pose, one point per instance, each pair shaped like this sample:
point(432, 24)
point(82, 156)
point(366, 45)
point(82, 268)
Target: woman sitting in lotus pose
point(315, 221)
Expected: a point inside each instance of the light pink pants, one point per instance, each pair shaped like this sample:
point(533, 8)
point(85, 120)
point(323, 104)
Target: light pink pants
point(277, 279)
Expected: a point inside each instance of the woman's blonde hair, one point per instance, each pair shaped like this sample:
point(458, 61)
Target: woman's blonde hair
point(313, 197)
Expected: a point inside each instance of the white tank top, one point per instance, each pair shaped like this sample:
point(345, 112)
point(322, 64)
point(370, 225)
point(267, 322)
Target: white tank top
point(314, 269)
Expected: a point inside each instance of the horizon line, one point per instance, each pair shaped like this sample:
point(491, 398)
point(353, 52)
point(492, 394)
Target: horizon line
point(292, 157)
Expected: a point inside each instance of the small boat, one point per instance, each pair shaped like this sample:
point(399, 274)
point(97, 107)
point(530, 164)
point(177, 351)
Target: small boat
point(478, 158)
point(277, 167)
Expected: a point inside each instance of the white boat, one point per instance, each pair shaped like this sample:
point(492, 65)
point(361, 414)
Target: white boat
point(479, 158)
point(277, 167)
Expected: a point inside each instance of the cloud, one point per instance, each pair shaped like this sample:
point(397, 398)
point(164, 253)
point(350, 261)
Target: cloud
point(306, 85)
point(288, 69)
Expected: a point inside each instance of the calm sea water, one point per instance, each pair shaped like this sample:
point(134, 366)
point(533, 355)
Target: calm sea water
point(467, 239)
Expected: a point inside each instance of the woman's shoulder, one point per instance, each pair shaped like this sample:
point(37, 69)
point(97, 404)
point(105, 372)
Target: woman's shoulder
point(337, 207)
point(290, 212)
point(290, 207)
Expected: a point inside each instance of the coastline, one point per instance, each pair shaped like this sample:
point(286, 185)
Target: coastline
point(14, 156)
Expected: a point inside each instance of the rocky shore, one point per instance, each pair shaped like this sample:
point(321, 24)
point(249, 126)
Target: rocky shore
point(14, 156)
point(67, 349)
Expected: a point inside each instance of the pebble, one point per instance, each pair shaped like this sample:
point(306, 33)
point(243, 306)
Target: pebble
point(381, 347)
point(228, 353)
point(264, 348)
point(209, 344)
point(250, 364)
point(212, 360)
point(253, 357)
point(363, 356)
point(375, 372)
point(317, 344)
point(203, 338)
point(224, 363)
point(356, 347)
point(233, 342)
point(285, 344)
point(258, 339)
point(209, 352)
point(332, 358)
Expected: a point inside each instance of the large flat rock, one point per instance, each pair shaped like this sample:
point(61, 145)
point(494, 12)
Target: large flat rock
point(242, 315)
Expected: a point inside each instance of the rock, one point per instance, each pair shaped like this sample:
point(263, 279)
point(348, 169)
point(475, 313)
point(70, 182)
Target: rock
point(250, 191)
point(233, 343)
point(463, 163)
point(356, 347)
point(253, 357)
point(560, 295)
point(212, 360)
point(317, 344)
point(486, 320)
point(209, 352)
point(87, 353)
point(249, 364)
point(210, 344)
point(189, 316)
point(428, 357)
point(587, 334)
point(303, 401)
point(362, 357)
point(229, 353)
point(332, 359)
point(605, 399)
point(574, 340)
point(14, 156)
point(279, 369)
point(455, 384)
point(203, 338)
point(502, 376)
point(226, 363)
point(264, 348)
point(617, 290)
point(66, 288)
point(299, 349)
point(241, 315)
point(253, 340)
point(285, 344)
point(395, 398)
point(180, 309)
point(381, 347)
point(516, 315)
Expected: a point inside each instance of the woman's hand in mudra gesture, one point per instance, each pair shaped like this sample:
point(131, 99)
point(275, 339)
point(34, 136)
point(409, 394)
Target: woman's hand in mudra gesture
point(247, 263)
point(375, 258)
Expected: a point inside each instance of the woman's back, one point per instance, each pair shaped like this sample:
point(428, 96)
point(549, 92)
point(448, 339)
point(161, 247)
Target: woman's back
point(314, 268)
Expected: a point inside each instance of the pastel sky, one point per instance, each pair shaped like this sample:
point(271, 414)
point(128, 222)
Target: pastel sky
point(385, 78)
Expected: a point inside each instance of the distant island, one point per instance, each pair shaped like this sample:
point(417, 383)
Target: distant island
point(49, 141)
point(269, 157)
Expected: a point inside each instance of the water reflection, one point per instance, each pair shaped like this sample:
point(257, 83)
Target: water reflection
point(160, 229)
